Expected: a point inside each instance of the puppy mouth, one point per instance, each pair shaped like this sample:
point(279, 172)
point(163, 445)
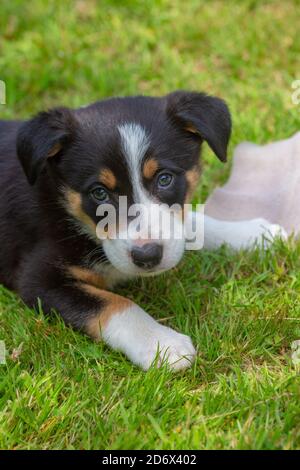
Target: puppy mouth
point(153, 272)
point(131, 269)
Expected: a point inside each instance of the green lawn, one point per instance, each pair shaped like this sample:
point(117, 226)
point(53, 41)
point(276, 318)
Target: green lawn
point(59, 390)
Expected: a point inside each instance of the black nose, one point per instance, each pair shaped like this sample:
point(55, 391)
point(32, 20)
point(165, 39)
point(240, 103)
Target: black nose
point(147, 256)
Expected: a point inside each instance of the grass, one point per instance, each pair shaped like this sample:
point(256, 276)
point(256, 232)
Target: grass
point(58, 389)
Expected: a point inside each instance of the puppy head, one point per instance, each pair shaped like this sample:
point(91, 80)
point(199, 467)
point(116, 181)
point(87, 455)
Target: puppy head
point(143, 148)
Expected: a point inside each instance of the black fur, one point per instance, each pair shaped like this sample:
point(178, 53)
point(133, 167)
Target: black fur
point(66, 148)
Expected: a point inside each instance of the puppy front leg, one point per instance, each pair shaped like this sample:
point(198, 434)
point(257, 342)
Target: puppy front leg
point(78, 295)
point(126, 327)
point(244, 234)
point(238, 235)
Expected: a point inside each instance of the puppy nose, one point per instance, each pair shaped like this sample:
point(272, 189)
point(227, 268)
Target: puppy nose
point(147, 256)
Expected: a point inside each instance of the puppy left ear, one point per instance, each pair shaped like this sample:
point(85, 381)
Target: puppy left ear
point(203, 115)
point(42, 137)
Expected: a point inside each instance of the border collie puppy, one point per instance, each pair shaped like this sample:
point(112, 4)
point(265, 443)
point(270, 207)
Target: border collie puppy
point(59, 168)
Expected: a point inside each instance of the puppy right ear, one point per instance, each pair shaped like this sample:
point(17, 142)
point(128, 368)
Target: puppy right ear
point(43, 137)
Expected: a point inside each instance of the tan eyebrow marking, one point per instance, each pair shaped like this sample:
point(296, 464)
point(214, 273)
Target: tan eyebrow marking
point(108, 178)
point(192, 129)
point(55, 149)
point(150, 168)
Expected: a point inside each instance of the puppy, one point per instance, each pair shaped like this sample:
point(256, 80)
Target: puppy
point(59, 168)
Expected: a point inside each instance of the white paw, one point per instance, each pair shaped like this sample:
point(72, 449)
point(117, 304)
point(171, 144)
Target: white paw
point(245, 234)
point(167, 346)
point(240, 234)
point(277, 231)
point(262, 233)
point(146, 342)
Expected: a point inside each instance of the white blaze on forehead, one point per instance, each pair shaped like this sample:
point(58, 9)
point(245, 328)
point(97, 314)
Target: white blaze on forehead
point(135, 143)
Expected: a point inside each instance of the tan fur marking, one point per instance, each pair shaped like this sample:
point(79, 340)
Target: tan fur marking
point(108, 178)
point(114, 304)
point(192, 177)
point(74, 207)
point(150, 168)
point(55, 149)
point(87, 276)
point(192, 129)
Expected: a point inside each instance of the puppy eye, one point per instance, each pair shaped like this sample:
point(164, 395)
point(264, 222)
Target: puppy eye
point(100, 194)
point(164, 180)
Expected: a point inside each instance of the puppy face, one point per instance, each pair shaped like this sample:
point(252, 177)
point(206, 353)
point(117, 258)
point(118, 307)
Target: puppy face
point(143, 148)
